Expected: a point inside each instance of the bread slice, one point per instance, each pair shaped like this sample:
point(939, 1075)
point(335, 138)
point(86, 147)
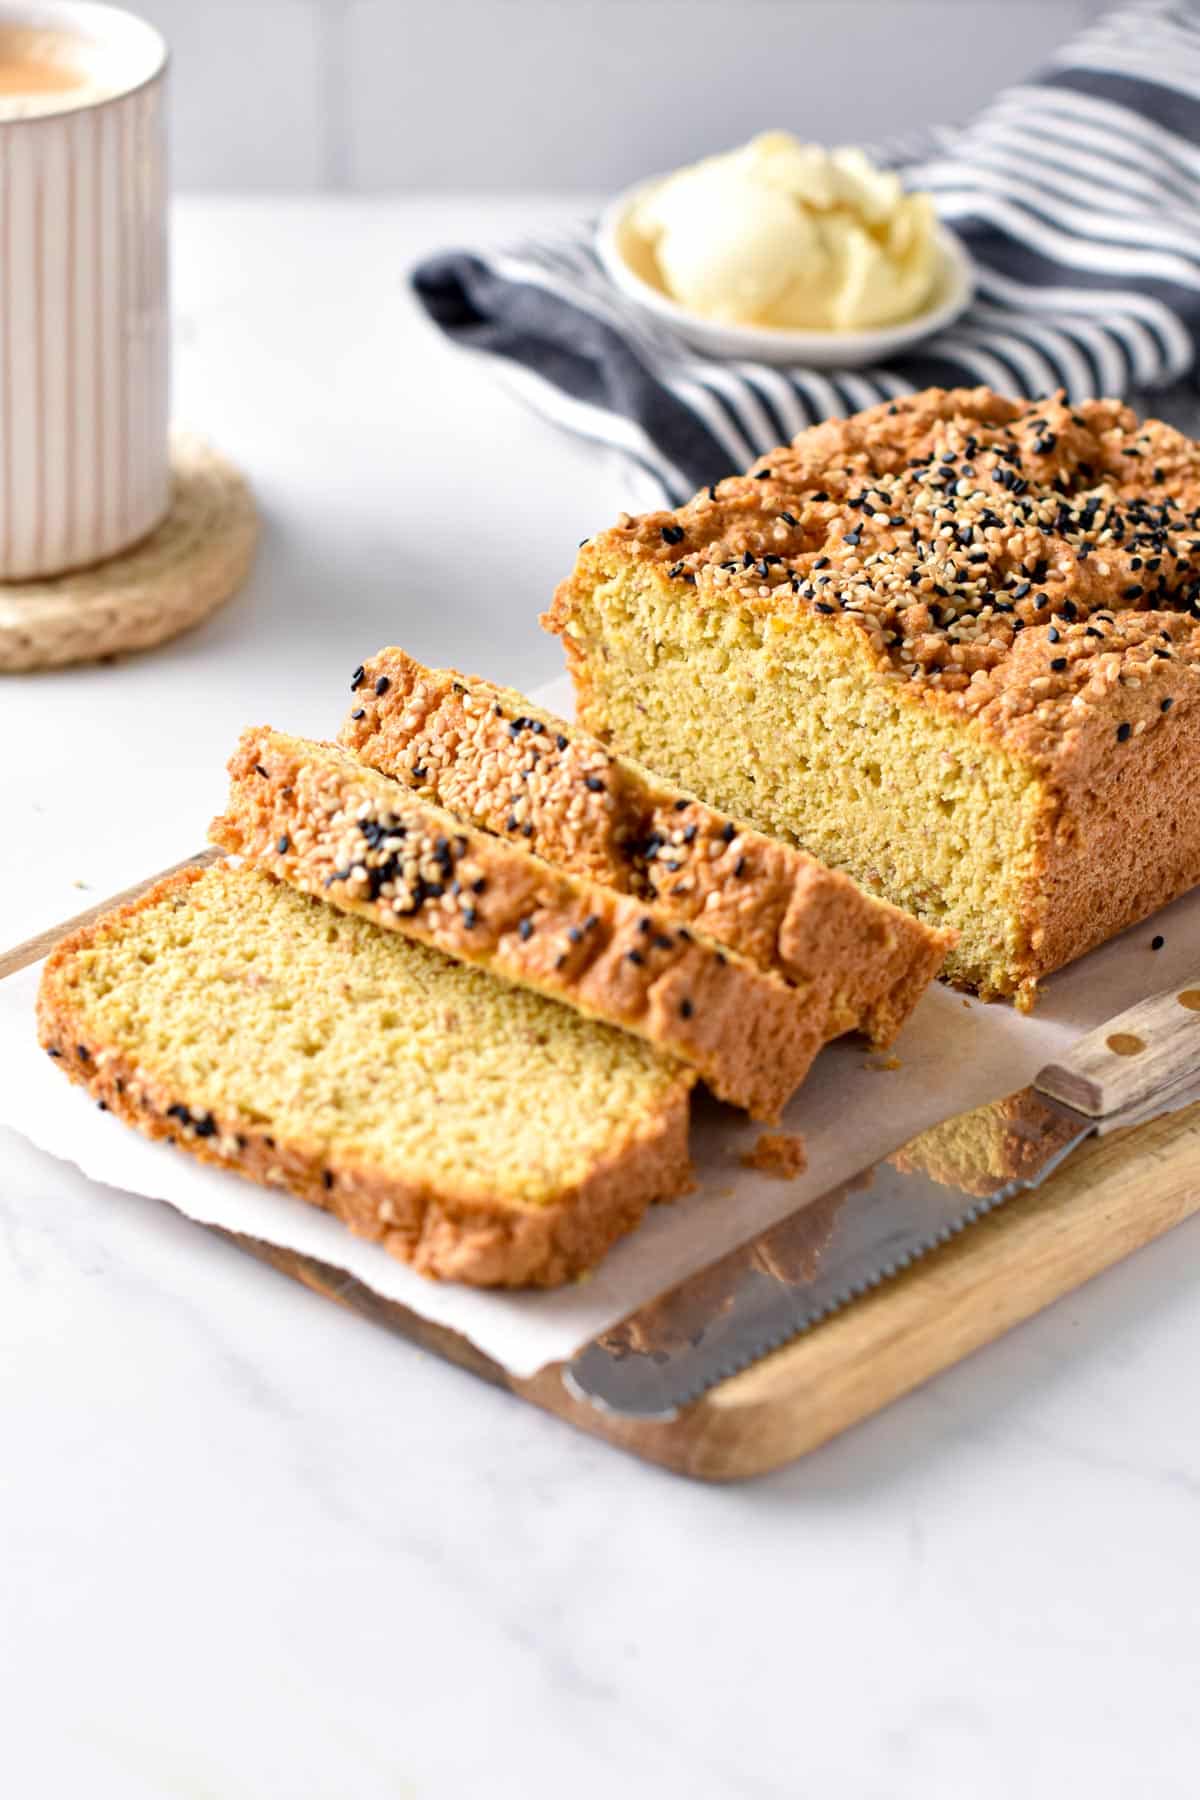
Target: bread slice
point(476, 1131)
point(487, 754)
point(950, 645)
point(314, 816)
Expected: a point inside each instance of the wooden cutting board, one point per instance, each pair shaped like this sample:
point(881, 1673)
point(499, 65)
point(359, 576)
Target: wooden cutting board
point(1114, 1195)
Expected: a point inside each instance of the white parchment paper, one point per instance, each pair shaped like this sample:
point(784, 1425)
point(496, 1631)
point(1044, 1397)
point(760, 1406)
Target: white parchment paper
point(954, 1053)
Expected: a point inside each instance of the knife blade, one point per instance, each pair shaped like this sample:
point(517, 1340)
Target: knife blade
point(865, 1231)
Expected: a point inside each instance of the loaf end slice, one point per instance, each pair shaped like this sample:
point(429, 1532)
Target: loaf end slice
point(476, 1131)
point(505, 765)
point(316, 817)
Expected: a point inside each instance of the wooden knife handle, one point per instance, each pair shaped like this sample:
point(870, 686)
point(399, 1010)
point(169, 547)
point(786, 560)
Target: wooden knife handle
point(1150, 1051)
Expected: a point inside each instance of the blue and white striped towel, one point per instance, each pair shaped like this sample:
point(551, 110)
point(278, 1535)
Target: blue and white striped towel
point(1077, 195)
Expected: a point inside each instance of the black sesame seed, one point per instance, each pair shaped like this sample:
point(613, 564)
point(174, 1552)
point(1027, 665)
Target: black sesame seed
point(672, 534)
point(634, 956)
point(53, 1052)
point(525, 930)
point(470, 917)
point(561, 741)
point(787, 518)
point(1156, 943)
point(382, 685)
point(206, 1126)
point(739, 867)
point(103, 1105)
point(763, 475)
point(1166, 705)
point(83, 1053)
point(259, 770)
point(356, 678)
point(1123, 732)
point(1058, 662)
point(327, 1179)
point(594, 784)
point(728, 831)
point(360, 712)
point(284, 845)
point(686, 1009)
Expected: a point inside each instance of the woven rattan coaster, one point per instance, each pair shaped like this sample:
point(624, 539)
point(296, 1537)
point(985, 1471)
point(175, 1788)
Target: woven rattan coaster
point(196, 560)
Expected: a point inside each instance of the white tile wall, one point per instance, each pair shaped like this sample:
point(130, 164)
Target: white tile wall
point(564, 94)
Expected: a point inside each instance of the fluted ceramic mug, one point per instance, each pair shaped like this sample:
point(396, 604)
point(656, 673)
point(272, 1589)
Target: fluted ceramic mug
point(84, 464)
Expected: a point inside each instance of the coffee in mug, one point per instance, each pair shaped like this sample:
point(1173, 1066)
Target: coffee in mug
point(84, 464)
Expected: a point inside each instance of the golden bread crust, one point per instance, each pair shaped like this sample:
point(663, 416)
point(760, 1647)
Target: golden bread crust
point(443, 1234)
point(1028, 573)
point(311, 815)
point(498, 762)
point(1000, 588)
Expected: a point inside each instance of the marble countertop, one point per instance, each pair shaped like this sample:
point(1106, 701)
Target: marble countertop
point(251, 1546)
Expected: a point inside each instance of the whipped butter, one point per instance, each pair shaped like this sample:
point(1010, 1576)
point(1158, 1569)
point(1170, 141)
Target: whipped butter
point(786, 234)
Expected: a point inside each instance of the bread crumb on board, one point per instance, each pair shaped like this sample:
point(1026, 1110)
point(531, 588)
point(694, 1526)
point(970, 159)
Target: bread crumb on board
point(778, 1153)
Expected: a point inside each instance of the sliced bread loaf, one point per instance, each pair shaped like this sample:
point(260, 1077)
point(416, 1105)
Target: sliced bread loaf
point(314, 816)
point(476, 1131)
point(487, 754)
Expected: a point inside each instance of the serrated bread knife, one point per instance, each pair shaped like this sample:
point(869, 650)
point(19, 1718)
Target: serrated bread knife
point(833, 1249)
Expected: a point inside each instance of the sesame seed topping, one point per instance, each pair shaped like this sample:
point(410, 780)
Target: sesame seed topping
point(1156, 943)
point(382, 685)
point(945, 537)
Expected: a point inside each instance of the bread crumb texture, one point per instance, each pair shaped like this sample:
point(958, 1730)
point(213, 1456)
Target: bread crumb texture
point(315, 817)
point(949, 646)
point(778, 1153)
point(478, 1131)
point(506, 766)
